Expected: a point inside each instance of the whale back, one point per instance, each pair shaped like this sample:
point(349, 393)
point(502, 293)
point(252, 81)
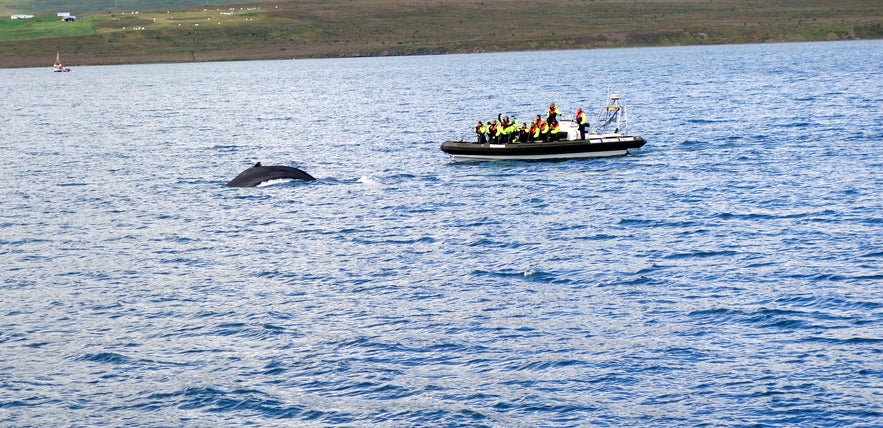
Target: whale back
point(258, 174)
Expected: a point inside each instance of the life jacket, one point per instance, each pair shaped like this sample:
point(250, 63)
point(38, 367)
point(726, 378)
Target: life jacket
point(553, 113)
point(581, 117)
point(555, 128)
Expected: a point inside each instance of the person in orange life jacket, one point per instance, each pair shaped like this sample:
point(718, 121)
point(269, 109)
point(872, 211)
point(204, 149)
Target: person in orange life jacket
point(553, 132)
point(581, 121)
point(493, 132)
point(533, 132)
point(504, 121)
point(544, 130)
point(481, 131)
point(553, 113)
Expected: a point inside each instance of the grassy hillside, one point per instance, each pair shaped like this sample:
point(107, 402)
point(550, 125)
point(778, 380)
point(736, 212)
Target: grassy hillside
point(329, 28)
point(43, 27)
point(81, 7)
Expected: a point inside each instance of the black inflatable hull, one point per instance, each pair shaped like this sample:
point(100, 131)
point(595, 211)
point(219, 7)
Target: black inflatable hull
point(602, 146)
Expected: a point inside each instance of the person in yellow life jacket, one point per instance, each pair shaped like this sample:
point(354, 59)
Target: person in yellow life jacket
point(504, 128)
point(553, 113)
point(581, 122)
point(553, 132)
point(504, 121)
point(500, 134)
point(481, 131)
point(512, 130)
point(533, 132)
point(544, 130)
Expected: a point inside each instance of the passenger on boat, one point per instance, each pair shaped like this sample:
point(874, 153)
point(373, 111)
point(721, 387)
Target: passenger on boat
point(504, 121)
point(512, 131)
point(523, 134)
point(544, 131)
point(553, 132)
point(505, 129)
point(581, 121)
point(500, 136)
point(553, 113)
point(533, 132)
point(501, 128)
point(494, 132)
point(481, 132)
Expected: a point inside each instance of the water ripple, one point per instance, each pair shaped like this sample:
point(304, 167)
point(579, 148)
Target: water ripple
point(727, 274)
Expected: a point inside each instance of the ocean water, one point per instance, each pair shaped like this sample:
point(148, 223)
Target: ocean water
point(729, 273)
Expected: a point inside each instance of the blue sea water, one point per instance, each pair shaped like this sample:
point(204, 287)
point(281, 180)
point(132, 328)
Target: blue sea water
point(729, 273)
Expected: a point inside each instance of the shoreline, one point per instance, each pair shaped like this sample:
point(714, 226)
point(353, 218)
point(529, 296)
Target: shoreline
point(41, 62)
point(370, 28)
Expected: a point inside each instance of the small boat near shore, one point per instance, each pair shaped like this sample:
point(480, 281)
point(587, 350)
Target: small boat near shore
point(57, 67)
point(604, 140)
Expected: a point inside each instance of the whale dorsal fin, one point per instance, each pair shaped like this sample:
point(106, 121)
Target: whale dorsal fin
point(256, 165)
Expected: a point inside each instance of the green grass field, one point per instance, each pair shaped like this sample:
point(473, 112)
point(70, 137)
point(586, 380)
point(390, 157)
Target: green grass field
point(84, 7)
point(41, 27)
point(335, 28)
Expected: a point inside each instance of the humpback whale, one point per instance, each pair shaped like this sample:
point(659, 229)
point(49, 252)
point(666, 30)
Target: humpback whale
point(258, 174)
